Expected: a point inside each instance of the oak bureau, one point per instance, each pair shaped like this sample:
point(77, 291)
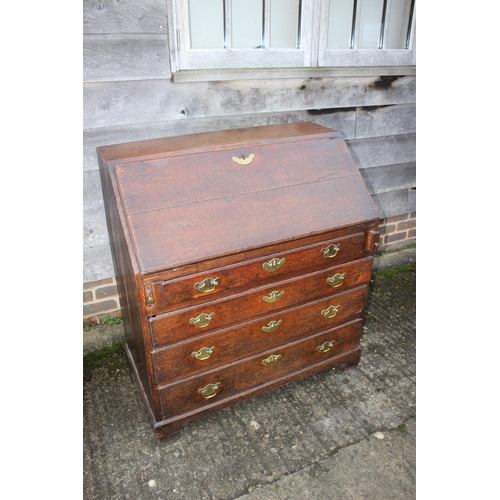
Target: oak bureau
point(242, 260)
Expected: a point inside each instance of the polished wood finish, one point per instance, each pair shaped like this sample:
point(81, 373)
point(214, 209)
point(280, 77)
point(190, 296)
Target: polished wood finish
point(242, 259)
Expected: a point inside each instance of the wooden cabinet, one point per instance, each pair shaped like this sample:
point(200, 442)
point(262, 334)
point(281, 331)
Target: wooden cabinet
point(242, 259)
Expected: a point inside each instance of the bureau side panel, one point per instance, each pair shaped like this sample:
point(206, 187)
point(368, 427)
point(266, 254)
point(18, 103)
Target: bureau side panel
point(126, 284)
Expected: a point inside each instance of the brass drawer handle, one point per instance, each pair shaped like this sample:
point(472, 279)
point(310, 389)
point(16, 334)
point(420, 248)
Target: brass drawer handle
point(244, 160)
point(210, 390)
point(207, 285)
point(203, 353)
point(272, 360)
point(331, 250)
point(274, 264)
point(336, 280)
point(273, 296)
point(202, 320)
point(272, 326)
point(325, 347)
point(330, 312)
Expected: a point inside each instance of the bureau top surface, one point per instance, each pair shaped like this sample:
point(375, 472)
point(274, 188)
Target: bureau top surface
point(192, 198)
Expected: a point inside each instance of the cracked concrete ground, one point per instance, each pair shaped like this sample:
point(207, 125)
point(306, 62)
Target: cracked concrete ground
point(334, 435)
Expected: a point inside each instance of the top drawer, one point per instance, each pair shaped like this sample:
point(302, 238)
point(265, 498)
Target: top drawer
point(258, 271)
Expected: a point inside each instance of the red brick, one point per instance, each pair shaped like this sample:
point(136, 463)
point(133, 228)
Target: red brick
point(387, 229)
point(391, 238)
point(397, 218)
point(412, 233)
point(87, 296)
point(94, 284)
point(409, 224)
point(99, 307)
point(106, 291)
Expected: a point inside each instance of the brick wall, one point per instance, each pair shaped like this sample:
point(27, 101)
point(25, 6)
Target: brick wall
point(398, 232)
point(100, 298)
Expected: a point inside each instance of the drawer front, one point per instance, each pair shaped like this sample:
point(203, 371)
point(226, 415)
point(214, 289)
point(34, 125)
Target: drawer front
point(226, 346)
point(204, 286)
point(198, 392)
point(198, 320)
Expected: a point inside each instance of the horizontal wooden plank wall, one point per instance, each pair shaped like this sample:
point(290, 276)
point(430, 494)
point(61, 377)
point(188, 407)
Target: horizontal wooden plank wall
point(128, 95)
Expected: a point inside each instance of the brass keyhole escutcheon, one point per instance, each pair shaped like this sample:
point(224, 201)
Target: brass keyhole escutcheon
point(244, 160)
point(336, 280)
point(330, 312)
point(331, 250)
point(202, 320)
point(207, 285)
point(272, 360)
point(273, 296)
point(274, 264)
point(210, 390)
point(272, 326)
point(203, 353)
point(326, 346)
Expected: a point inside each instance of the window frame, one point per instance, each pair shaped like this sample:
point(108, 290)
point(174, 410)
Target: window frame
point(312, 56)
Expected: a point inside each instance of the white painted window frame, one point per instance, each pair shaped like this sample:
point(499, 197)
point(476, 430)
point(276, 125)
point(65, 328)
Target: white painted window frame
point(312, 54)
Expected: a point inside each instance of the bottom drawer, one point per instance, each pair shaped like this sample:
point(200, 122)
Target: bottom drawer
point(198, 392)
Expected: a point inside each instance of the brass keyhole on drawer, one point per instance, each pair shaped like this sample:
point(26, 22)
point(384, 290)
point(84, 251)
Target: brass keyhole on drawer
point(244, 160)
point(272, 360)
point(210, 390)
point(330, 312)
point(203, 353)
point(202, 320)
point(273, 296)
point(336, 280)
point(274, 264)
point(272, 326)
point(325, 347)
point(207, 285)
point(331, 250)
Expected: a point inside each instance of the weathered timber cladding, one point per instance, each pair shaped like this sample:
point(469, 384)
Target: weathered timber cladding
point(128, 95)
point(131, 102)
point(112, 16)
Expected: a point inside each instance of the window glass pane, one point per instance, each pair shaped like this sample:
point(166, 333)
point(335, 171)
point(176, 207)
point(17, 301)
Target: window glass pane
point(370, 24)
point(339, 24)
point(398, 24)
point(206, 18)
point(284, 24)
point(246, 26)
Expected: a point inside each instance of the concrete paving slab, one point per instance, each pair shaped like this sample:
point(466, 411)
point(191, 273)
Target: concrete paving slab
point(320, 436)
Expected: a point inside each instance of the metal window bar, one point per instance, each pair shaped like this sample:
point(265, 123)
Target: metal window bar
point(383, 26)
point(410, 22)
point(266, 12)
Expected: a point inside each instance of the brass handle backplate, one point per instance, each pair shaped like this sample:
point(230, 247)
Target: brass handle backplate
point(330, 312)
point(272, 360)
point(207, 285)
point(331, 250)
point(336, 280)
point(202, 320)
point(325, 347)
point(272, 326)
point(203, 353)
point(274, 264)
point(210, 390)
point(273, 296)
point(244, 160)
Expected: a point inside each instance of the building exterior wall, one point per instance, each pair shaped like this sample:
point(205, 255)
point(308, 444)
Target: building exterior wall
point(129, 95)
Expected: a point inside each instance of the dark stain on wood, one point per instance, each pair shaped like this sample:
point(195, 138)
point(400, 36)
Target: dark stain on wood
point(328, 111)
point(384, 82)
point(374, 108)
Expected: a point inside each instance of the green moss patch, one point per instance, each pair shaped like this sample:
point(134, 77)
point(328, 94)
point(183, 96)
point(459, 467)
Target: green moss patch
point(112, 357)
